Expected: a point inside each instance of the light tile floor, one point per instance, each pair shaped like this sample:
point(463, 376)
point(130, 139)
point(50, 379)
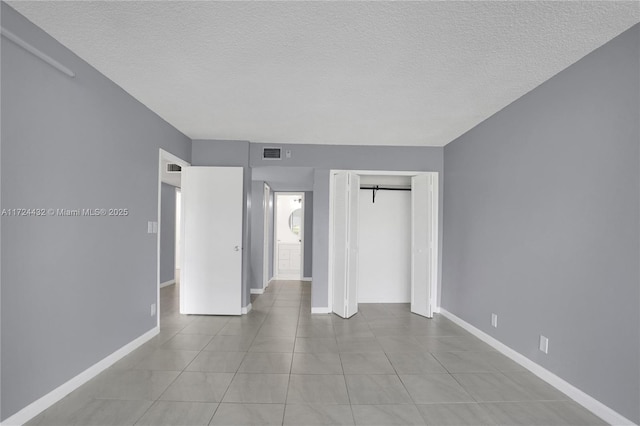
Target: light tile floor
point(281, 365)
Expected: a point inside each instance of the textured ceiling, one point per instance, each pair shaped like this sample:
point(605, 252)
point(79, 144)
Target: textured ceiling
point(375, 73)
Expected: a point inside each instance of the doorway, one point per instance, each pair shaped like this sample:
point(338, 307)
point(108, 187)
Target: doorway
point(169, 181)
point(416, 242)
point(289, 236)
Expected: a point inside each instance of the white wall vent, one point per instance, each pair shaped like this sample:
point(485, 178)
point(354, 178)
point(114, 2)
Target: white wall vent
point(173, 168)
point(271, 153)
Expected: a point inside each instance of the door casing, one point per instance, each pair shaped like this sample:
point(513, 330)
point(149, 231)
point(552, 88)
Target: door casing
point(265, 243)
point(275, 234)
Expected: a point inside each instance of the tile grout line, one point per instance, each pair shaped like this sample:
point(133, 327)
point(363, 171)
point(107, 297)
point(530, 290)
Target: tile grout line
point(295, 342)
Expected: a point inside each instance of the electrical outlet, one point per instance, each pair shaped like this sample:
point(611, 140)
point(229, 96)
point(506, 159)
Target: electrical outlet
point(287, 153)
point(544, 344)
point(494, 320)
point(153, 309)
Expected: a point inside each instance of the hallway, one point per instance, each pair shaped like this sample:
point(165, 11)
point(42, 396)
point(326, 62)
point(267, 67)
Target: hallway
point(281, 365)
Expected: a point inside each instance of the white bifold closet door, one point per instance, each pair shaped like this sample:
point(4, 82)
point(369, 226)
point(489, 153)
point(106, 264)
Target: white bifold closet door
point(345, 232)
point(211, 273)
point(422, 250)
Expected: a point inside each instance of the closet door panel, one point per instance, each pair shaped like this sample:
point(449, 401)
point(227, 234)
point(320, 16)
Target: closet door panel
point(421, 250)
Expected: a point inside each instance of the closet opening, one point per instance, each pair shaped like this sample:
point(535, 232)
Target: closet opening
point(383, 240)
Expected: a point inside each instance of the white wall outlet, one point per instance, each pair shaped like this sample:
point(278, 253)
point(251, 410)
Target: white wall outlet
point(494, 320)
point(153, 309)
point(544, 344)
point(287, 153)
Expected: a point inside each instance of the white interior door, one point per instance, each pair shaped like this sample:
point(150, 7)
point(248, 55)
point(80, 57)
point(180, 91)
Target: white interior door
point(422, 233)
point(211, 273)
point(345, 244)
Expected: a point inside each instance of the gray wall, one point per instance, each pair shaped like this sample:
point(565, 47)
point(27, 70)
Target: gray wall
point(74, 289)
point(168, 233)
point(542, 224)
point(322, 158)
point(220, 153)
point(320, 256)
point(231, 153)
point(257, 230)
point(285, 178)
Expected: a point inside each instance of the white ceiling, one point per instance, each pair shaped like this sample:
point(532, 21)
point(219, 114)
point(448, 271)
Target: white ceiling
point(362, 73)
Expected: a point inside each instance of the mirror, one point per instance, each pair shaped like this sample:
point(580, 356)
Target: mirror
point(295, 221)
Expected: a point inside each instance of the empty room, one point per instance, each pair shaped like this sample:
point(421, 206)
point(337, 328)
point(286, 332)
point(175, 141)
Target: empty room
point(320, 213)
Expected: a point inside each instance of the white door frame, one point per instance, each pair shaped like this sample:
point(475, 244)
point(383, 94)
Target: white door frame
point(178, 230)
point(434, 238)
point(275, 234)
point(162, 155)
point(265, 251)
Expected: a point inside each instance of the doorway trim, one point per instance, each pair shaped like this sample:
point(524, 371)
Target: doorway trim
point(162, 155)
point(178, 231)
point(275, 235)
point(265, 243)
point(435, 238)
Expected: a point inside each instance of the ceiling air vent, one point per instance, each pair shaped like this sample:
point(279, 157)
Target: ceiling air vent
point(271, 153)
point(173, 168)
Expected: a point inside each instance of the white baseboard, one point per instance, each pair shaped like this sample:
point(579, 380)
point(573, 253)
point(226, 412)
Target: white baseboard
point(246, 309)
point(320, 310)
point(166, 283)
point(38, 406)
point(257, 290)
point(596, 407)
point(306, 279)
